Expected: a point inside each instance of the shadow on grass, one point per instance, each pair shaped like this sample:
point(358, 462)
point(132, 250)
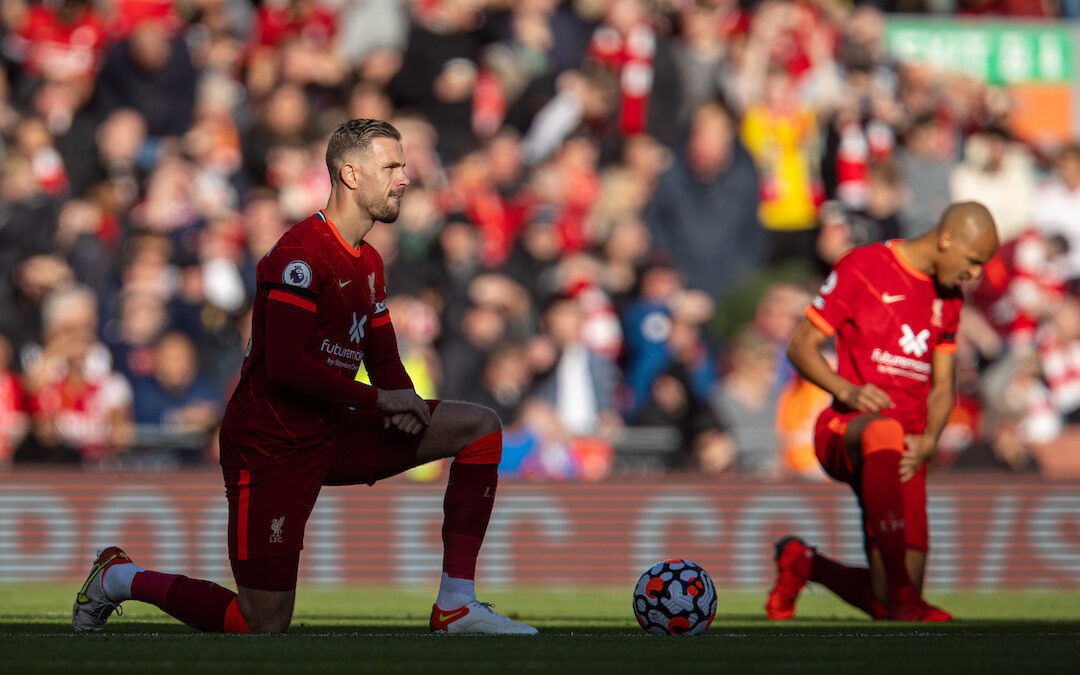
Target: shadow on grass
point(11, 627)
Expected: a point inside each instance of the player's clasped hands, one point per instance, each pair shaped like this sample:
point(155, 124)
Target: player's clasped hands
point(867, 398)
point(404, 410)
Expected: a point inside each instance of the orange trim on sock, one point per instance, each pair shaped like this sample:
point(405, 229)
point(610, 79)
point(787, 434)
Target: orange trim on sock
point(234, 618)
point(242, 515)
point(883, 434)
point(484, 450)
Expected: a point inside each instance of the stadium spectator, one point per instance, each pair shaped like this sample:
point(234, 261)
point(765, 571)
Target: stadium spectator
point(747, 398)
point(376, 32)
point(998, 172)
point(464, 348)
point(140, 320)
point(781, 133)
point(626, 250)
point(58, 40)
point(640, 59)
point(880, 218)
point(583, 103)
point(439, 70)
point(578, 383)
point(647, 325)
point(283, 121)
point(88, 241)
point(80, 408)
point(21, 318)
point(505, 381)
point(704, 444)
point(151, 72)
point(540, 447)
point(1056, 206)
point(703, 214)
point(1059, 358)
point(925, 165)
point(534, 260)
point(174, 409)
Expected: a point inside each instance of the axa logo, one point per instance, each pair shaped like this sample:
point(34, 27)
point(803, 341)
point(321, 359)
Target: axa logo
point(275, 530)
point(357, 330)
point(912, 342)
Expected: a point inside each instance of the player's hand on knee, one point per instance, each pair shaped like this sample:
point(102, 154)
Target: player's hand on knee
point(866, 398)
point(394, 401)
point(917, 449)
point(406, 422)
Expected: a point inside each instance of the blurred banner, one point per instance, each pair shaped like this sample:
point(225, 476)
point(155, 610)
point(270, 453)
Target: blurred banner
point(986, 534)
point(1035, 61)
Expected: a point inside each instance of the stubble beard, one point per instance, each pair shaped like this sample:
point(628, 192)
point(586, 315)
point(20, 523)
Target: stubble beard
point(383, 211)
point(388, 213)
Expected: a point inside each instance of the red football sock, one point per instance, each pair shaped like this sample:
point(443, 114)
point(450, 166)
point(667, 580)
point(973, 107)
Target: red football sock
point(850, 584)
point(883, 497)
point(470, 494)
point(200, 604)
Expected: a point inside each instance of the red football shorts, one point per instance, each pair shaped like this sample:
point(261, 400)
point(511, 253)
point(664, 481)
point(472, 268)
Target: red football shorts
point(837, 462)
point(269, 507)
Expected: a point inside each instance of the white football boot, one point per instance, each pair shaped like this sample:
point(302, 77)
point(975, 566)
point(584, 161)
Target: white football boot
point(93, 606)
point(476, 617)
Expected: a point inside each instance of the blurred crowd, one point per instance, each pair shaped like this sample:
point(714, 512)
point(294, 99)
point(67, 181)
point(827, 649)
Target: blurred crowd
point(618, 211)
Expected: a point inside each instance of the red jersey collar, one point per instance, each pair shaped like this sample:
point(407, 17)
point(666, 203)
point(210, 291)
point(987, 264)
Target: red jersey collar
point(354, 252)
point(904, 263)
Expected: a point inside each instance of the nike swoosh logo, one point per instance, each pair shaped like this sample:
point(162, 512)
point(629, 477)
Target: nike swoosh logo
point(452, 616)
point(82, 598)
point(890, 299)
point(343, 284)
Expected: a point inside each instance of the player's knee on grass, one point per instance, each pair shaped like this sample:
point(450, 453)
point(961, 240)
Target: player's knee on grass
point(266, 611)
point(880, 435)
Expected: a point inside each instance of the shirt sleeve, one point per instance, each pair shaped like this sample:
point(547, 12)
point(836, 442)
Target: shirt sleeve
point(292, 274)
point(835, 299)
point(288, 326)
point(381, 358)
point(951, 319)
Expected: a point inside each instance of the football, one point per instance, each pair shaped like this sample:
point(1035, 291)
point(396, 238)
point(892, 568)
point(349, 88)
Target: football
point(674, 597)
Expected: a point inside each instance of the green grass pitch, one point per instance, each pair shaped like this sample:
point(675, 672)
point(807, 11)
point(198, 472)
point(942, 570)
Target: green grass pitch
point(374, 630)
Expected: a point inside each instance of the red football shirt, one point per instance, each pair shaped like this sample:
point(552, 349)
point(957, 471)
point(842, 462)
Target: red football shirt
point(888, 319)
point(311, 267)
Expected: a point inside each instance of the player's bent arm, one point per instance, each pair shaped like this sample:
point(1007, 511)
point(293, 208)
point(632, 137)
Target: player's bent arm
point(804, 352)
point(397, 397)
point(939, 402)
point(382, 360)
point(287, 330)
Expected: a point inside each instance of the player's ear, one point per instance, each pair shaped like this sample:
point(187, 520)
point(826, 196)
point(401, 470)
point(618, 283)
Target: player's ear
point(348, 175)
point(945, 239)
